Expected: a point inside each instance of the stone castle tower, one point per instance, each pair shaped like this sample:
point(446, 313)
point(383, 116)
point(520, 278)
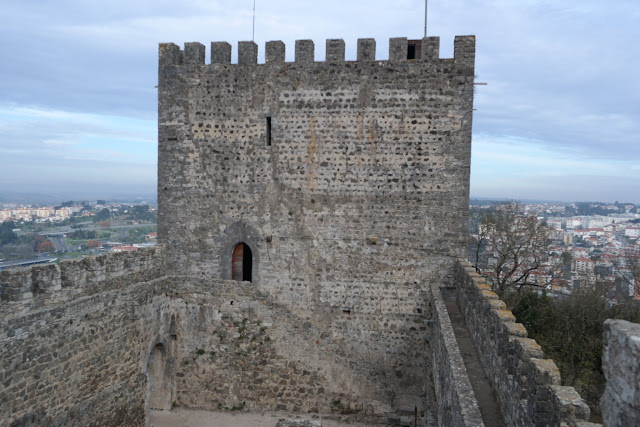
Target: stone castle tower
point(313, 165)
point(309, 213)
point(344, 184)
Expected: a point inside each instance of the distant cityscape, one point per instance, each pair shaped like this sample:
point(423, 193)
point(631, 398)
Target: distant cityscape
point(34, 234)
point(588, 243)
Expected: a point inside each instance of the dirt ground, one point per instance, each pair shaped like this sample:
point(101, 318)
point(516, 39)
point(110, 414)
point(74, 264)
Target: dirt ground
point(191, 418)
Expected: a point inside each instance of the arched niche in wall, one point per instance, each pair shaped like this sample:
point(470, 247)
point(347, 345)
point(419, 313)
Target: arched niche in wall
point(240, 259)
point(159, 378)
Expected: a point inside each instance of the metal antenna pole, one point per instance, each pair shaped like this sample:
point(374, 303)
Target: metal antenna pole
point(253, 29)
point(425, 17)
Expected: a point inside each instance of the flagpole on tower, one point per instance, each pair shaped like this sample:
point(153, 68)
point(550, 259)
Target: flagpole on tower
point(253, 29)
point(425, 17)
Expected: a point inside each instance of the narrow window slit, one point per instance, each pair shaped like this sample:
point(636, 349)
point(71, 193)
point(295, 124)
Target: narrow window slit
point(269, 131)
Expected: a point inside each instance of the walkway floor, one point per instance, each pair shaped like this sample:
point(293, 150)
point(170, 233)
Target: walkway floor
point(489, 409)
point(179, 417)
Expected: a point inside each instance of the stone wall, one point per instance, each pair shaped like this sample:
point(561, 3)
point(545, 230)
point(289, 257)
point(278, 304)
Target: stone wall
point(348, 181)
point(79, 355)
point(528, 386)
point(364, 157)
point(24, 290)
point(455, 399)
point(73, 343)
point(237, 348)
point(621, 400)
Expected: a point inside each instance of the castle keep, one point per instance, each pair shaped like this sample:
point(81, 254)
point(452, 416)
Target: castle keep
point(346, 181)
point(309, 213)
point(342, 177)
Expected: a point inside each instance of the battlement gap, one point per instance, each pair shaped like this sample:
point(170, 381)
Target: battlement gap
point(401, 50)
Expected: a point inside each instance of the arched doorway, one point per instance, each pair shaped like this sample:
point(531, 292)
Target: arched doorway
point(241, 263)
point(159, 379)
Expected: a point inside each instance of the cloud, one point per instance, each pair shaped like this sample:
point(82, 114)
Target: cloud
point(521, 168)
point(559, 73)
point(58, 143)
point(43, 145)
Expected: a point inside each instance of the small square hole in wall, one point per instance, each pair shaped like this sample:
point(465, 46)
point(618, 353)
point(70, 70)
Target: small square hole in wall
point(346, 313)
point(231, 303)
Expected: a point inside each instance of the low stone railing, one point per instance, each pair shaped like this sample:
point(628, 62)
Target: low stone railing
point(30, 288)
point(455, 399)
point(527, 386)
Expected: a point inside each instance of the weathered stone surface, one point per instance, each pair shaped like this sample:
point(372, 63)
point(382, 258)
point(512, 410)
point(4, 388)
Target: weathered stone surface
point(621, 363)
point(335, 50)
point(247, 53)
point(348, 181)
point(298, 423)
point(275, 52)
point(71, 355)
point(398, 49)
point(568, 404)
point(456, 402)
point(526, 385)
point(305, 51)
point(366, 49)
point(220, 53)
point(354, 208)
point(194, 53)
point(430, 48)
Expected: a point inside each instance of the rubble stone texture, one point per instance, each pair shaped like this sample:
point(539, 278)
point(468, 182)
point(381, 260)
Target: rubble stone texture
point(527, 385)
point(621, 362)
point(348, 183)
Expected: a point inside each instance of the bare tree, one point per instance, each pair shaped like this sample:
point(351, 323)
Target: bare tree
point(515, 247)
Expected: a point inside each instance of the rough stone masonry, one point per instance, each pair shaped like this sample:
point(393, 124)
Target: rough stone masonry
point(308, 213)
point(347, 181)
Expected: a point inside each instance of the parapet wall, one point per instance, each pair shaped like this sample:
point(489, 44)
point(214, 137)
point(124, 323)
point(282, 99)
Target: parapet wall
point(456, 402)
point(36, 287)
point(527, 386)
point(194, 53)
point(74, 339)
point(621, 399)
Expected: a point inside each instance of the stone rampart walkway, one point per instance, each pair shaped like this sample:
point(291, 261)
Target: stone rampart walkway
point(485, 396)
point(179, 417)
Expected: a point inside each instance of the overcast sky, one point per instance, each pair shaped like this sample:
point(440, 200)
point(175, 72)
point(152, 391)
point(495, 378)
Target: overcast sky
point(558, 120)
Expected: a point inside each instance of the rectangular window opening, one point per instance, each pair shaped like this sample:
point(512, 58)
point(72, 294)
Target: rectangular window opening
point(269, 131)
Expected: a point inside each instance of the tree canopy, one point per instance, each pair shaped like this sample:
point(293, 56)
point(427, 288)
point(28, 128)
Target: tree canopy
point(7, 235)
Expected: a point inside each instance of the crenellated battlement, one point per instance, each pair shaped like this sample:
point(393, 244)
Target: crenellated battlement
point(34, 287)
point(400, 50)
point(527, 385)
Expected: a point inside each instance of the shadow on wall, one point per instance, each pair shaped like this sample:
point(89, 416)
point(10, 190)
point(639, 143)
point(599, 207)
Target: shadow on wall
point(159, 378)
